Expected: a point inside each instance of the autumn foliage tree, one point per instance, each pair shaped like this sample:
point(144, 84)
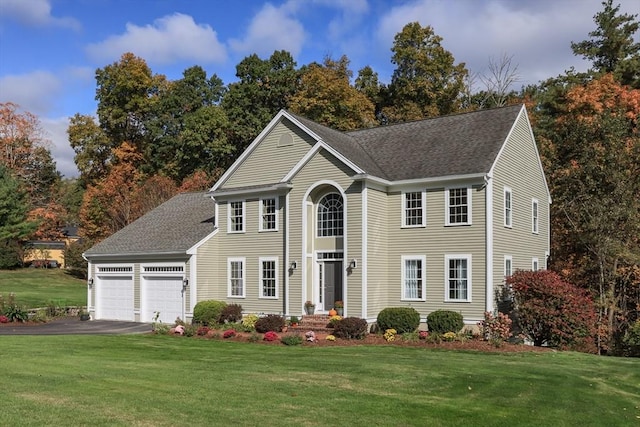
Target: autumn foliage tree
point(553, 311)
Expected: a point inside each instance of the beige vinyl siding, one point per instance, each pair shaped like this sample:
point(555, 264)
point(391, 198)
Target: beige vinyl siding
point(320, 168)
point(377, 252)
point(269, 162)
point(208, 277)
point(517, 168)
point(435, 241)
point(250, 245)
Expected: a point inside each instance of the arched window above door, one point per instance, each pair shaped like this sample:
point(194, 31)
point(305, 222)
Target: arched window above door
point(330, 215)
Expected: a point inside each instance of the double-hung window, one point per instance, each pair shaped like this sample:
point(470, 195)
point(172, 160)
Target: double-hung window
point(534, 216)
point(458, 202)
point(508, 209)
point(535, 265)
point(236, 217)
point(268, 214)
point(508, 266)
point(236, 273)
point(458, 278)
point(413, 209)
point(413, 277)
point(268, 278)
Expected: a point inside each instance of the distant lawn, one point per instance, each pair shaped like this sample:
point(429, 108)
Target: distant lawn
point(150, 380)
point(36, 287)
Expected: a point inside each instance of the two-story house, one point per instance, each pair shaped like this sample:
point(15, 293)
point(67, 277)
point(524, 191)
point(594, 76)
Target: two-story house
point(431, 214)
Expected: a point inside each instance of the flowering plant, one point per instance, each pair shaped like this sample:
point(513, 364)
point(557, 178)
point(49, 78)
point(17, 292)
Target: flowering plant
point(4, 319)
point(338, 304)
point(496, 329)
point(449, 336)
point(390, 335)
point(423, 335)
point(310, 336)
point(330, 338)
point(229, 333)
point(309, 304)
point(271, 336)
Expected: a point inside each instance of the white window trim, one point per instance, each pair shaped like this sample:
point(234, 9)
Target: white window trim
point(260, 214)
point(508, 218)
point(535, 264)
point(423, 260)
point(446, 276)
point(404, 210)
point(535, 216)
point(244, 216)
point(260, 277)
point(243, 260)
point(510, 259)
point(316, 217)
point(446, 206)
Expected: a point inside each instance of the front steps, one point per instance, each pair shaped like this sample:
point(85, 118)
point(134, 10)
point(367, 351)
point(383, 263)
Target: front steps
point(312, 322)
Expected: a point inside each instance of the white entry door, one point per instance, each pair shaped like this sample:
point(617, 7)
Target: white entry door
point(114, 298)
point(162, 295)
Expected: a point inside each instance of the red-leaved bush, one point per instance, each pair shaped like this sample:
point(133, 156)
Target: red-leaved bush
point(271, 336)
point(553, 311)
point(4, 319)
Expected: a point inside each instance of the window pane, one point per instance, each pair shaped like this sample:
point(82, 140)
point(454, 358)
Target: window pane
point(330, 216)
point(458, 279)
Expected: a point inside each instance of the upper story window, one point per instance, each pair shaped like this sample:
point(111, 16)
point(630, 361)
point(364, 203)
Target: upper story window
point(458, 202)
point(330, 215)
point(508, 210)
point(458, 275)
point(534, 216)
point(414, 209)
point(236, 217)
point(413, 278)
point(268, 214)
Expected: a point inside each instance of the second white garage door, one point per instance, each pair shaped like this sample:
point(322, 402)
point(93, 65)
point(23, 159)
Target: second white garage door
point(163, 295)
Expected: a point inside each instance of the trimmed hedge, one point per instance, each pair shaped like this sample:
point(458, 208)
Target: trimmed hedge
point(350, 328)
point(402, 319)
point(270, 322)
point(208, 312)
point(443, 321)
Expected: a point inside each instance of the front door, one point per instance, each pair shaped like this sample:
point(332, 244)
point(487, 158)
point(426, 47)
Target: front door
point(330, 283)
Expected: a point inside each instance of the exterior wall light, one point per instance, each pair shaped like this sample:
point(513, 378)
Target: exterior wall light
point(353, 264)
point(294, 265)
point(90, 282)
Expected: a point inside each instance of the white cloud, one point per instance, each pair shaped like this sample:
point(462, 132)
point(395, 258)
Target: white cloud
point(61, 151)
point(272, 29)
point(348, 6)
point(35, 13)
point(538, 34)
point(171, 38)
point(36, 92)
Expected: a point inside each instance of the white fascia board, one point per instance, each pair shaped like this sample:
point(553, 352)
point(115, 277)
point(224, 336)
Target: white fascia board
point(194, 249)
point(425, 182)
point(249, 149)
point(281, 187)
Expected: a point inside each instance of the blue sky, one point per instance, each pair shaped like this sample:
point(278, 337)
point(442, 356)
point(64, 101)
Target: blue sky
point(50, 49)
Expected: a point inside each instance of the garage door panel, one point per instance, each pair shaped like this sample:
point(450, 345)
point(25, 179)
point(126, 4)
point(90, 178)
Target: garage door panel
point(162, 295)
point(114, 298)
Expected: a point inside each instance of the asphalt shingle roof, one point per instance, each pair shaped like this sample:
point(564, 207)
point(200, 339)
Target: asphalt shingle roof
point(174, 226)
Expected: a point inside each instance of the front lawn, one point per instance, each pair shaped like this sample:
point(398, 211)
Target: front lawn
point(167, 381)
point(37, 287)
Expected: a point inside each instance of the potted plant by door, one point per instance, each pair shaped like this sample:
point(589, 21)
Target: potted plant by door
point(309, 307)
point(339, 306)
point(293, 321)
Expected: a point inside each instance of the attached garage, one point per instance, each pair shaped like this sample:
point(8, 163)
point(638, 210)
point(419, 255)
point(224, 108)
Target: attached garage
point(114, 297)
point(163, 295)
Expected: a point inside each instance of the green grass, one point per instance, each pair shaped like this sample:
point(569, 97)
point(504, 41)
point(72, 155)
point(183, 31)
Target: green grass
point(149, 380)
point(36, 287)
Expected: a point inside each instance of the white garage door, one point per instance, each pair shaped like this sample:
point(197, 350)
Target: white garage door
point(114, 298)
point(163, 295)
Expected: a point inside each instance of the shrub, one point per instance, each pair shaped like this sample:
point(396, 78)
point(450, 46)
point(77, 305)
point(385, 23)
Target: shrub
point(442, 321)
point(270, 322)
point(202, 331)
point(4, 319)
point(495, 329)
point(553, 311)
point(330, 338)
point(402, 319)
point(231, 313)
point(350, 328)
point(410, 336)
point(249, 322)
point(293, 339)
point(270, 336)
point(229, 333)
point(632, 340)
point(208, 312)
point(449, 336)
point(423, 335)
point(390, 335)
point(333, 320)
point(16, 314)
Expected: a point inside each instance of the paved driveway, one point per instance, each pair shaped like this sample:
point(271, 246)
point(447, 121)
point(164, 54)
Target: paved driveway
point(73, 326)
